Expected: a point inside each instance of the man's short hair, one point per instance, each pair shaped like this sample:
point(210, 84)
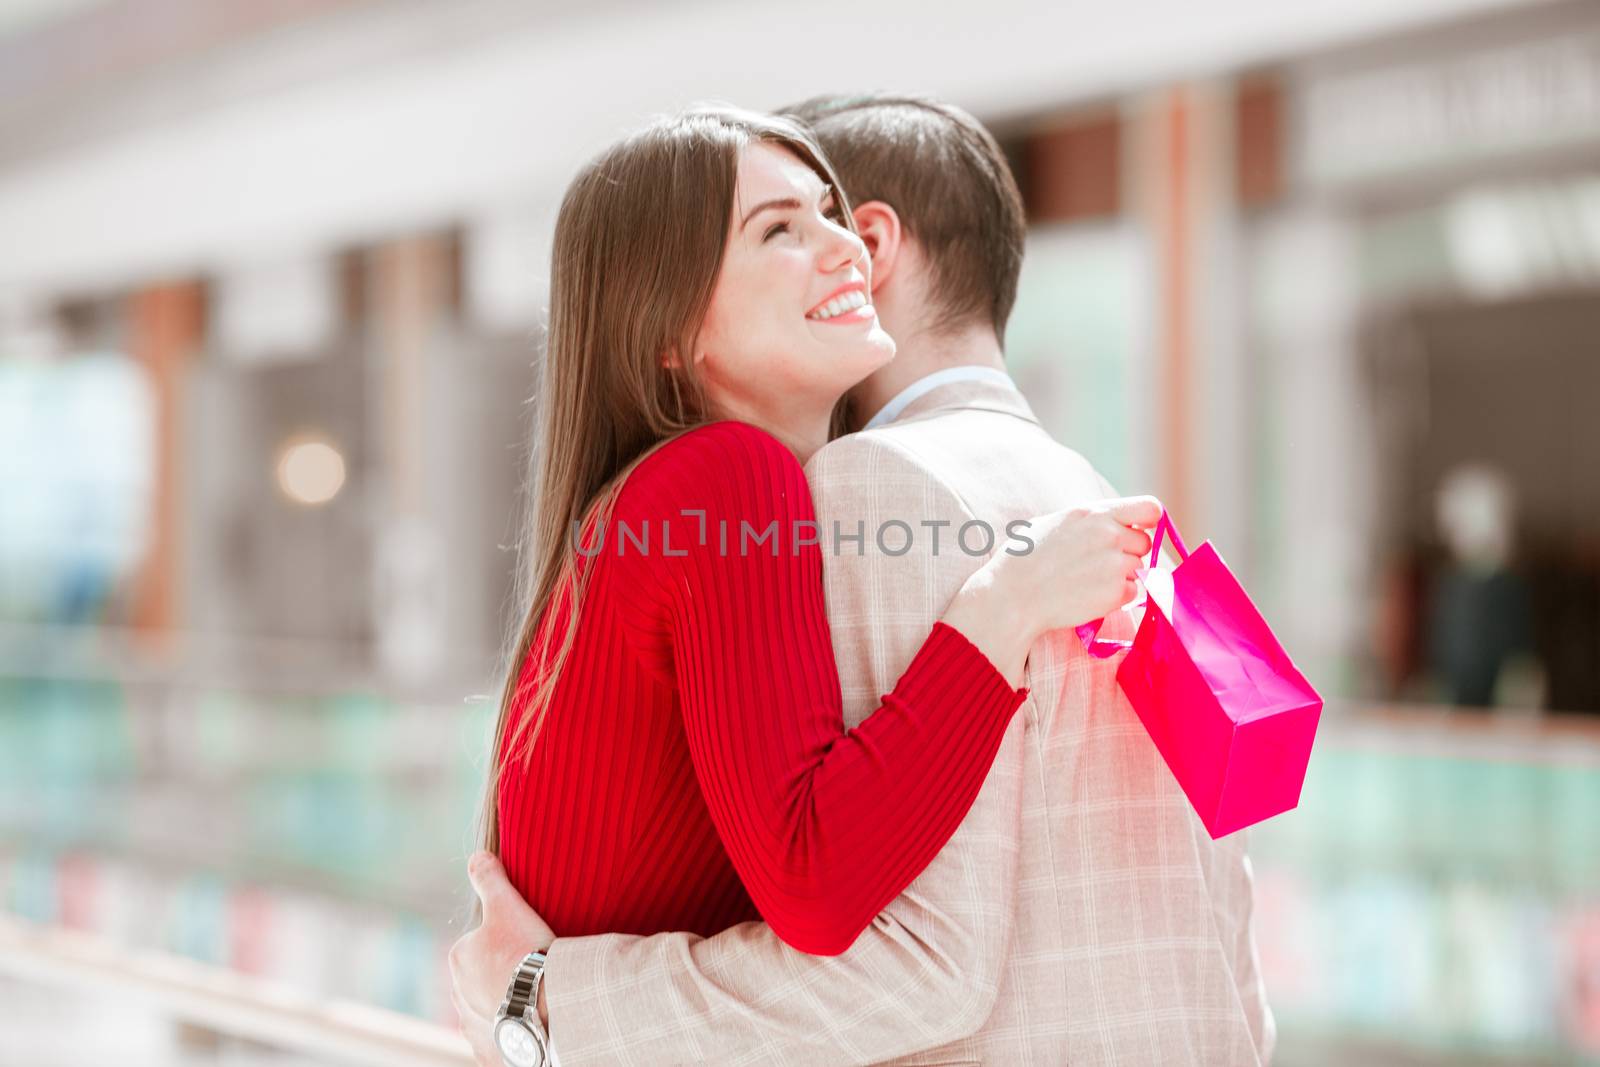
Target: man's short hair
point(947, 179)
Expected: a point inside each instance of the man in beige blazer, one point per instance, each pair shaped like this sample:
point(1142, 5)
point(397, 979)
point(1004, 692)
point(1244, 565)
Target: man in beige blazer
point(1081, 914)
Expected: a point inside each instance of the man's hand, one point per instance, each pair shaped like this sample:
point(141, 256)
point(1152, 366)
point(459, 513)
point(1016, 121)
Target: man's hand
point(484, 959)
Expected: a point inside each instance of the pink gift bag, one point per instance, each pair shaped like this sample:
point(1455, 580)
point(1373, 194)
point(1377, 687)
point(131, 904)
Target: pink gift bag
point(1227, 710)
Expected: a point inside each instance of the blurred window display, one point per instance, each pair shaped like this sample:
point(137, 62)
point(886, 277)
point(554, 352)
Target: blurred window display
point(76, 466)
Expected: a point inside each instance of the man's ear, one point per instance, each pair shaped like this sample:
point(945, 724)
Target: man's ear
point(879, 227)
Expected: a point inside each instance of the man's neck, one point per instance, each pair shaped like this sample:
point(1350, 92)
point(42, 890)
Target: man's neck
point(919, 354)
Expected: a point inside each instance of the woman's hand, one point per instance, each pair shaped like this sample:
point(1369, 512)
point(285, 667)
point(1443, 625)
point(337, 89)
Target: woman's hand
point(1082, 567)
point(484, 960)
point(1084, 562)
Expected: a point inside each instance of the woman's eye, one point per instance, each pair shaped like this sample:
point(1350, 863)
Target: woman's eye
point(775, 229)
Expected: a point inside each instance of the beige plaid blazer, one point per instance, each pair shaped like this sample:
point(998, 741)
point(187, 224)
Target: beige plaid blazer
point(1080, 915)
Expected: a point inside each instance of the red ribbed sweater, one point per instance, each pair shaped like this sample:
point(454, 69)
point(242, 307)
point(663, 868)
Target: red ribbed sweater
point(693, 770)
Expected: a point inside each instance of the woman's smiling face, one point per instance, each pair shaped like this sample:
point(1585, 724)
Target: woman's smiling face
point(790, 326)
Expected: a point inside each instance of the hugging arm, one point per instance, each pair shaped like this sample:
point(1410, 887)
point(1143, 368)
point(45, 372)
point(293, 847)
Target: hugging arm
point(927, 968)
point(823, 825)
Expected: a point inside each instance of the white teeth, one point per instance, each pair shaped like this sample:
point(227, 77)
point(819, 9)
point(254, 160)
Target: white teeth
point(839, 305)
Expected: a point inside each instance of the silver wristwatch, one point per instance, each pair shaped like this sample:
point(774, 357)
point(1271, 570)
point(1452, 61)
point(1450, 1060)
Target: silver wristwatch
point(518, 1033)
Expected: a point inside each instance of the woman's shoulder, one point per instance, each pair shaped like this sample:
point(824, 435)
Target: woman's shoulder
point(720, 453)
point(728, 439)
point(719, 464)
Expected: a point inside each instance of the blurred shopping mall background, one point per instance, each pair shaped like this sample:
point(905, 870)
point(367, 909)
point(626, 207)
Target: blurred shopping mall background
point(1325, 275)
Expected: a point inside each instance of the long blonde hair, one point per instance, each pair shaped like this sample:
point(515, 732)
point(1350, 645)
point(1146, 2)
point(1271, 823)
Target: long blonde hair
point(638, 245)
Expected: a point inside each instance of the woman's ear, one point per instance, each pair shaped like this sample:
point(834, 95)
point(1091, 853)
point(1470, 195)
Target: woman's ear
point(879, 227)
point(673, 361)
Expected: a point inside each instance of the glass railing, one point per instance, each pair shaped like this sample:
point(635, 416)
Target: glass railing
point(315, 841)
point(107, 980)
point(1436, 893)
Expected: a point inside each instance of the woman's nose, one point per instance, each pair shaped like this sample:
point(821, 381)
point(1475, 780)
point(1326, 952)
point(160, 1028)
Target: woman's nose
point(841, 249)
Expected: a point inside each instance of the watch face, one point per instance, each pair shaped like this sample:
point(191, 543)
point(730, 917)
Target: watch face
point(519, 1047)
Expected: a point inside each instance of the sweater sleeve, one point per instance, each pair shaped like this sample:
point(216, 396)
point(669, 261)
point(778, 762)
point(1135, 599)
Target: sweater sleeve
point(824, 825)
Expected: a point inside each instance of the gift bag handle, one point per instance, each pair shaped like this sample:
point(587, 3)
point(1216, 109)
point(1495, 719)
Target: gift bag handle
point(1089, 633)
point(1165, 526)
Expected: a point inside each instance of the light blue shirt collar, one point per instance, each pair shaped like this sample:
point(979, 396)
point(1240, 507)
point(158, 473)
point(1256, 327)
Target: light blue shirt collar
point(891, 411)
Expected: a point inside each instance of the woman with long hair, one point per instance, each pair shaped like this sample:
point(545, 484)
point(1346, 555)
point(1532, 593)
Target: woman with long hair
point(670, 752)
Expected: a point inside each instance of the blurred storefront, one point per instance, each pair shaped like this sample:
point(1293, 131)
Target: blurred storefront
point(1424, 301)
point(1464, 165)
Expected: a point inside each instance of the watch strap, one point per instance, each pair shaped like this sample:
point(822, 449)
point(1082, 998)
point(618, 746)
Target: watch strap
point(524, 991)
